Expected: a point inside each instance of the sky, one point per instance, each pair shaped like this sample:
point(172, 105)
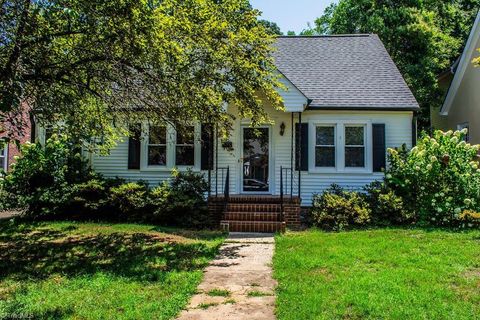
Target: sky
point(291, 14)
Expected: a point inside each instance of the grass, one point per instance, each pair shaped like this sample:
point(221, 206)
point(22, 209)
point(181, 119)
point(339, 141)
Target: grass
point(219, 293)
point(378, 274)
point(205, 306)
point(64, 270)
point(230, 301)
point(256, 293)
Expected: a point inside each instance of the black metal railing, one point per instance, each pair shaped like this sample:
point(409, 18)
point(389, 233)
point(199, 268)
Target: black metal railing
point(222, 183)
point(287, 181)
point(219, 176)
point(226, 189)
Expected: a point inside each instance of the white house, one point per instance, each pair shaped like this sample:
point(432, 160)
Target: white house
point(346, 103)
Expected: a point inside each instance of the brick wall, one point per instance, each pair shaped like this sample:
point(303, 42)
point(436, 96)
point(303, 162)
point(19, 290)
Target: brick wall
point(24, 136)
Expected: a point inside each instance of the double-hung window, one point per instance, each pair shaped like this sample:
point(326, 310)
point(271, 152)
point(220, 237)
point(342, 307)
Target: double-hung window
point(340, 146)
point(325, 147)
point(3, 156)
point(355, 146)
point(157, 146)
point(185, 146)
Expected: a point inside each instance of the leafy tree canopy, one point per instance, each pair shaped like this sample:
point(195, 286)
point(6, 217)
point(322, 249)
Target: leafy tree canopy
point(91, 64)
point(272, 27)
point(423, 36)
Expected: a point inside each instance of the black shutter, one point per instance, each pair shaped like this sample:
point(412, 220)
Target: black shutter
point(134, 146)
point(379, 147)
point(207, 146)
point(301, 147)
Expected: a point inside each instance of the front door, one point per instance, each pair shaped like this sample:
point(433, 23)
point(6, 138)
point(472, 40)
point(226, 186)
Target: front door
point(256, 160)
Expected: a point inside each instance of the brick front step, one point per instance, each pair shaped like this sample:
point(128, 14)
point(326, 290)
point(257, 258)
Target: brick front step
point(253, 207)
point(255, 213)
point(252, 216)
point(253, 226)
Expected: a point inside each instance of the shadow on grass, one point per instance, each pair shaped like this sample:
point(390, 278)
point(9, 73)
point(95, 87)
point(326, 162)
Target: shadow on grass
point(207, 235)
point(28, 252)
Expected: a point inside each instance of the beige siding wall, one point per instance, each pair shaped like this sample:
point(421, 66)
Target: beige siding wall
point(466, 104)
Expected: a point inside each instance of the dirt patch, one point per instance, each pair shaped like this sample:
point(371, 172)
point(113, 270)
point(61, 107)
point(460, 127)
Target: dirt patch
point(472, 273)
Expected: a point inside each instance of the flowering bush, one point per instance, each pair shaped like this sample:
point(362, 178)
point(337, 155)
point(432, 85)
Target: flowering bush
point(42, 179)
point(438, 179)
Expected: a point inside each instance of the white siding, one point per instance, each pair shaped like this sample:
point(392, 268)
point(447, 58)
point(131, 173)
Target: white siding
point(398, 126)
point(398, 129)
point(293, 99)
point(116, 165)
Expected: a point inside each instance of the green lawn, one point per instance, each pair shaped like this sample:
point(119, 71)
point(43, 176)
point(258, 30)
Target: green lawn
point(66, 270)
point(378, 274)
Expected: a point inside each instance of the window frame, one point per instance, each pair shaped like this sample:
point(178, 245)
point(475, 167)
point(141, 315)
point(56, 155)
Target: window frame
point(188, 145)
point(157, 145)
point(364, 146)
point(340, 147)
point(171, 150)
point(334, 126)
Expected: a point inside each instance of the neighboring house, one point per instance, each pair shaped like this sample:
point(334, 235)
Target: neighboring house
point(9, 151)
point(346, 103)
point(461, 108)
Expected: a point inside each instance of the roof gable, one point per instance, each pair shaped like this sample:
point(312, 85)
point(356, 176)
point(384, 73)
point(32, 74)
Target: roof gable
point(343, 72)
point(294, 100)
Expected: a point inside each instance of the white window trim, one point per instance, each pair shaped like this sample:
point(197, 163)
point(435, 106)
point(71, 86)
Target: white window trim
point(5, 157)
point(171, 150)
point(340, 146)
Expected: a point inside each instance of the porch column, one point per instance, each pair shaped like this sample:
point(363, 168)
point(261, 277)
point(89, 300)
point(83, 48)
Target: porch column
point(292, 163)
point(216, 159)
point(299, 155)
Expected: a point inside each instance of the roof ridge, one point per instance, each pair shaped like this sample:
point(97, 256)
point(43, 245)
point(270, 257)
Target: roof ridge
point(329, 35)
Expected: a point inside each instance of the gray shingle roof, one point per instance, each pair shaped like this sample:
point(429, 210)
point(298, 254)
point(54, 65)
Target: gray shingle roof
point(347, 71)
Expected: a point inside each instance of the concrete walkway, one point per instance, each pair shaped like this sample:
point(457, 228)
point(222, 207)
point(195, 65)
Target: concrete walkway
point(238, 284)
point(4, 215)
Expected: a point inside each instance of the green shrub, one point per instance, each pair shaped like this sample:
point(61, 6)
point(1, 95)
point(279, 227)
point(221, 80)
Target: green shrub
point(438, 179)
point(336, 209)
point(182, 201)
point(90, 198)
point(42, 180)
point(131, 201)
point(387, 208)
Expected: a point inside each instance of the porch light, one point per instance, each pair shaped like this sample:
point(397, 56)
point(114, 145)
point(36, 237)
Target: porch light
point(282, 129)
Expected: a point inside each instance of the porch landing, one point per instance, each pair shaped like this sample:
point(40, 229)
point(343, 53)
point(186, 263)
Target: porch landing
point(256, 213)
